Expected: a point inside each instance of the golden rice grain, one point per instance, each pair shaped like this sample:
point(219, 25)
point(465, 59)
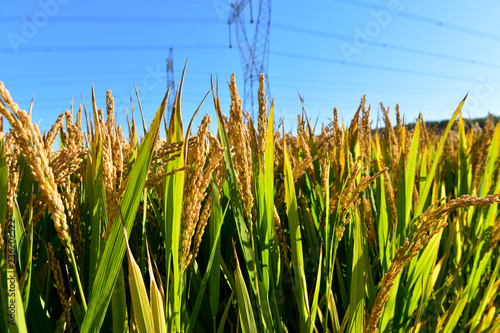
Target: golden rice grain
point(29, 140)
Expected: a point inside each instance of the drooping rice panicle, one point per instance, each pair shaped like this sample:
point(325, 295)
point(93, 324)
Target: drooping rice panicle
point(365, 133)
point(298, 171)
point(370, 231)
point(262, 120)
point(55, 266)
point(391, 146)
point(239, 139)
point(495, 235)
point(30, 143)
point(480, 151)
point(53, 133)
point(428, 225)
point(339, 276)
point(391, 198)
point(194, 191)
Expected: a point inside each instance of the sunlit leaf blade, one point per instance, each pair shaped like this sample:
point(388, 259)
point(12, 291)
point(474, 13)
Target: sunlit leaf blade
point(488, 295)
point(314, 305)
point(15, 318)
point(268, 224)
point(245, 310)
point(222, 322)
point(120, 315)
point(236, 204)
point(156, 300)
point(172, 206)
point(300, 286)
point(96, 199)
point(491, 166)
point(215, 223)
point(357, 294)
point(411, 169)
point(143, 316)
point(114, 251)
point(4, 174)
point(205, 279)
point(439, 151)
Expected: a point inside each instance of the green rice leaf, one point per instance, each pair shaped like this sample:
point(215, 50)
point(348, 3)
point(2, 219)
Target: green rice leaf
point(387, 317)
point(114, 251)
point(96, 199)
point(215, 223)
point(437, 159)
point(268, 223)
point(265, 308)
point(156, 299)
point(465, 175)
point(204, 281)
point(300, 285)
point(172, 205)
point(223, 319)
point(357, 295)
point(119, 312)
point(454, 317)
point(420, 274)
point(15, 318)
point(411, 169)
point(314, 305)
point(491, 166)
point(236, 203)
point(143, 316)
point(4, 175)
point(245, 311)
point(488, 295)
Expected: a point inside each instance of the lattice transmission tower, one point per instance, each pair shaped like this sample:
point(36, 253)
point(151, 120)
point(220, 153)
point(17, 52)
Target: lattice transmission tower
point(170, 82)
point(254, 55)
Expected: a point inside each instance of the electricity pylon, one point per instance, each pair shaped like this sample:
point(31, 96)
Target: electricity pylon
point(254, 56)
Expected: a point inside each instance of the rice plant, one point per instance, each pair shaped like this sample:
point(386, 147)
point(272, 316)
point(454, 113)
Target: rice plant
point(249, 228)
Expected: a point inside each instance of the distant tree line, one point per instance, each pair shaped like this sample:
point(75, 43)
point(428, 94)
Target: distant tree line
point(441, 124)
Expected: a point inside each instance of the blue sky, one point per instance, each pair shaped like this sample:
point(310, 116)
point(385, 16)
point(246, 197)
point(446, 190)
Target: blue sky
point(424, 55)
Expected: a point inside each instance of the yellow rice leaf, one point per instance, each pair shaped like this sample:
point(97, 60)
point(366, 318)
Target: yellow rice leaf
point(157, 308)
point(143, 315)
point(156, 300)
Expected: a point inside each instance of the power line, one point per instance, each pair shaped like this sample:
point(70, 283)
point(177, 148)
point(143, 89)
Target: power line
point(351, 64)
point(279, 83)
point(104, 71)
point(205, 20)
point(96, 48)
point(384, 45)
point(425, 20)
point(120, 19)
point(377, 67)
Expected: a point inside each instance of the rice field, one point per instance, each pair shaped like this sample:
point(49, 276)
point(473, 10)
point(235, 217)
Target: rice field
point(175, 228)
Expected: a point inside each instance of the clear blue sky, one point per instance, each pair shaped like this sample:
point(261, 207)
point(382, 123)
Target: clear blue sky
point(424, 55)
